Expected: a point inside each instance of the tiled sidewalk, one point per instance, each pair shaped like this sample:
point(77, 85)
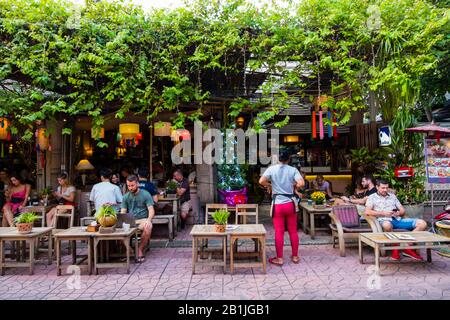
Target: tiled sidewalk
point(166, 274)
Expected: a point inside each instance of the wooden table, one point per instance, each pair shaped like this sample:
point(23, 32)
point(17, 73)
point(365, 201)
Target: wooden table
point(423, 240)
point(203, 232)
point(120, 235)
point(248, 231)
point(309, 213)
point(74, 234)
point(11, 234)
point(175, 202)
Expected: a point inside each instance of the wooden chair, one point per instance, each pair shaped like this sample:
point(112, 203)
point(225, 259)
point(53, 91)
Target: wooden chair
point(84, 221)
point(244, 211)
point(346, 224)
point(213, 207)
point(40, 211)
point(61, 213)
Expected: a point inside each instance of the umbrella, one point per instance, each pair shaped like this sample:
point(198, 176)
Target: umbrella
point(430, 129)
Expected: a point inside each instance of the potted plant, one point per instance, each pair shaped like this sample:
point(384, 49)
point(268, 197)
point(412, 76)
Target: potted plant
point(172, 187)
point(45, 194)
point(106, 216)
point(319, 199)
point(24, 222)
point(220, 218)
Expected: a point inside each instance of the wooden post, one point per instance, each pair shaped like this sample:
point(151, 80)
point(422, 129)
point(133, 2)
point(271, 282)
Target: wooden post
point(151, 152)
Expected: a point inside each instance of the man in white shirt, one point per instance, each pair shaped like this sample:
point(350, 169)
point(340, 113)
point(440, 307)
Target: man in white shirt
point(105, 192)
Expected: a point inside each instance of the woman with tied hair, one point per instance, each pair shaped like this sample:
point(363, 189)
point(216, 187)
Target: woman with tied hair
point(65, 194)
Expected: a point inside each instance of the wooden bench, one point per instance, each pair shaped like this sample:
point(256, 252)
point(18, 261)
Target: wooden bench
point(168, 219)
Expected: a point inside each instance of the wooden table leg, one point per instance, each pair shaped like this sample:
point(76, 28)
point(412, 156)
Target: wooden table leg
point(32, 246)
point(50, 248)
point(429, 258)
point(136, 247)
point(2, 257)
point(360, 248)
point(58, 256)
point(89, 243)
point(263, 255)
point(24, 250)
point(377, 259)
point(305, 221)
point(74, 252)
point(224, 242)
point(126, 242)
point(194, 253)
point(170, 225)
point(95, 255)
point(312, 231)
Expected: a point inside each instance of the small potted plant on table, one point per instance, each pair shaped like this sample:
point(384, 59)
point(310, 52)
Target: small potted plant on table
point(319, 199)
point(220, 218)
point(171, 187)
point(25, 221)
point(106, 216)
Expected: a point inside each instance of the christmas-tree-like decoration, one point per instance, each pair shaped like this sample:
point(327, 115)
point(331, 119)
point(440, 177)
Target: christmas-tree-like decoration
point(231, 176)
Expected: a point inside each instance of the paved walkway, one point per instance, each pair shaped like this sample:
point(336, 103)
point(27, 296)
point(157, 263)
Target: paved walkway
point(166, 274)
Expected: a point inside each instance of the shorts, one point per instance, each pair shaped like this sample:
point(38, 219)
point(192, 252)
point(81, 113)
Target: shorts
point(186, 206)
point(407, 224)
point(140, 223)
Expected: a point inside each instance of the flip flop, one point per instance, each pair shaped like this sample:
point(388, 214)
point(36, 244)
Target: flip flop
point(296, 259)
point(272, 261)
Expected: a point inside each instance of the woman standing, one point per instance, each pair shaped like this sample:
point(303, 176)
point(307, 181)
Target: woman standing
point(283, 179)
point(65, 194)
point(16, 199)
point(115, 179)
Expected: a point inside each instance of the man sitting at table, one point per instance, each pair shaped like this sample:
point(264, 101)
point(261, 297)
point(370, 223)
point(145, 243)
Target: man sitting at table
point(105, 192)
point(389, 212)
point(184, 193)
point(368, 184)
point(139, 203)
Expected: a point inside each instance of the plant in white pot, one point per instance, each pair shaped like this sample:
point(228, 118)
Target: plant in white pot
point(24, 222)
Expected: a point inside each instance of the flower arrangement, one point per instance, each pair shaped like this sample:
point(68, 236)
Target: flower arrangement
point(318, 197)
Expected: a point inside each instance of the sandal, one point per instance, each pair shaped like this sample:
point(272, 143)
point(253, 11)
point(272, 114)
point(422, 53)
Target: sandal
point(295, 259)
point(273, 261)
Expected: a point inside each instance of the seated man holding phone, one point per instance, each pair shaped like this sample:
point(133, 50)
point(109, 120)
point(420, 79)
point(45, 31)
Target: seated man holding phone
point(389, 211)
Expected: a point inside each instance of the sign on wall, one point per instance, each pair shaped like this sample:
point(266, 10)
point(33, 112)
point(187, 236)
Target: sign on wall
point(384, 136)
point(437, 157)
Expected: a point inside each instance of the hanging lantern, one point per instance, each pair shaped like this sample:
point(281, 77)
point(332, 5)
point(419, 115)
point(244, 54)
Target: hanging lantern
point(97, 133)
point(4, 124)
point(180, 133)
point(240, 121)
point(291, 139)
point(128, 131)
point(42, 140)
point(162, 129)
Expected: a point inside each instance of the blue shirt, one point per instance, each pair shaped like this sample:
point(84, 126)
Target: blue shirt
point(149, 187)
point(283, 177)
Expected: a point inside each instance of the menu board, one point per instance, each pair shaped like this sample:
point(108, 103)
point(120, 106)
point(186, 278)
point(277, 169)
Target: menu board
point(437, 157)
